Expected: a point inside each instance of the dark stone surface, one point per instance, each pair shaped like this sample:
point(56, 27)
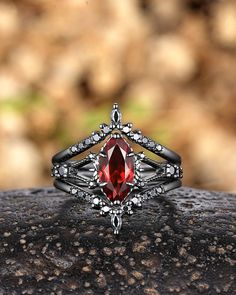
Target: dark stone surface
point(182, 243)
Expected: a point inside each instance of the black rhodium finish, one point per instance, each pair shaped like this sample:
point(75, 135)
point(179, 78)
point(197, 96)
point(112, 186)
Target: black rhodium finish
point(116, 180)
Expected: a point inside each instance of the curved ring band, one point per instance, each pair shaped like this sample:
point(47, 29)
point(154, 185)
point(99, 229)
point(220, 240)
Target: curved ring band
point(116, 180)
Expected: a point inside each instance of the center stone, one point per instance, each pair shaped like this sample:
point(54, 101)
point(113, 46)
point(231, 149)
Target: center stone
point(116, 169)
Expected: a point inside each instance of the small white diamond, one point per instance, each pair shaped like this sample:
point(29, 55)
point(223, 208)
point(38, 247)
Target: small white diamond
point(145, 140)
point(158, 190)
point(74, 149)
point(136, 136)
point(106, 129)
point(135, 200)
point(96, 137)
point(74, 191)
point(80, 194)
point(96, 201)
point(62, 171)
point(151, 144)
point(172, 170)
point(106, 209)
point(126, 129)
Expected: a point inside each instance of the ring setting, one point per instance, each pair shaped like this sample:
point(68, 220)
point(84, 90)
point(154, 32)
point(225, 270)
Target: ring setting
point(116, 180)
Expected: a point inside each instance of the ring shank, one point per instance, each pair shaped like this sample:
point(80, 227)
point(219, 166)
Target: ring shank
point(62, 156)
point(165, 153)
point(165, 187)
point(170, 155)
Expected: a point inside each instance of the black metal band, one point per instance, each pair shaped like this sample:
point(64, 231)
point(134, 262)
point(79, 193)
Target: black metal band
point(82, 146)
point(79, 191)
point(75, 150)
point(82, 171)
point(150, 178)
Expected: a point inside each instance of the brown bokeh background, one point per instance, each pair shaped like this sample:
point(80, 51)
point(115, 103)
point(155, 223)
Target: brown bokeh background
point(170, 64)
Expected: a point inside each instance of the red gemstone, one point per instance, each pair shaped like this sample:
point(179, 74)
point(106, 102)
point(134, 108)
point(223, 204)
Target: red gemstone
point(116, 169)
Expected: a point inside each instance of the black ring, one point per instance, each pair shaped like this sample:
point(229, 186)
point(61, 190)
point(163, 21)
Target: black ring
point(116, 180)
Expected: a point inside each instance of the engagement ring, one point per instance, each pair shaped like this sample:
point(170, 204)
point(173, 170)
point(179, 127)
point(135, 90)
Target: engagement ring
point(116, 180)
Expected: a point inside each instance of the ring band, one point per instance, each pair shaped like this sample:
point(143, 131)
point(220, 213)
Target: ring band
point(116, 180)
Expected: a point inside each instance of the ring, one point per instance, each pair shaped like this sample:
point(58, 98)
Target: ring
point(116, 180)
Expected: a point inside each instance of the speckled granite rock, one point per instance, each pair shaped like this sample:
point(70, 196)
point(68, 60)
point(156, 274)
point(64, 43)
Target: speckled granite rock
point(182, 243)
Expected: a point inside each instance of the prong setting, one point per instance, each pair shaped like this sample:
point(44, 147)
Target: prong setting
point(166, 176)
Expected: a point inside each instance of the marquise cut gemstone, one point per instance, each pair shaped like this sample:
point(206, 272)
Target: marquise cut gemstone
point(116, 169)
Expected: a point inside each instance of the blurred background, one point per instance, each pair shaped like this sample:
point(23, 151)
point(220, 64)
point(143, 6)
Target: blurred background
point(171, 65)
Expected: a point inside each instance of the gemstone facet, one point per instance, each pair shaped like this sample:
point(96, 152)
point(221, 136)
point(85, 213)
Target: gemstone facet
point(116, 169)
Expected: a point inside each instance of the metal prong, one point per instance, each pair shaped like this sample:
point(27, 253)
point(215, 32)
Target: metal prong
point(140, 183)
point(102, 155)
point(130, 183)
point(138, 131)
point(115, 106)
point(92, 184)
point(141, 155)
point(91, 155)
point(102, 184)
point(116, 135)
point(130, 154)
point(137, 177)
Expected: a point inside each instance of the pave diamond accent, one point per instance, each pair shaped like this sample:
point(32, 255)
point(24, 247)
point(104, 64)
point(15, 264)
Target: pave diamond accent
point(63, 171)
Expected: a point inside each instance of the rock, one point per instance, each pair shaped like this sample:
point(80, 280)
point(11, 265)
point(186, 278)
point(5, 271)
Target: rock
point(182, 242)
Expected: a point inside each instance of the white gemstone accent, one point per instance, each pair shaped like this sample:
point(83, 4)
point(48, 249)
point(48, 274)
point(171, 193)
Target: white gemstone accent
point(136, 136)
point(151, 144)
point(106, 129)
point(62, 171)
point(145, 140)
point(172, 170)
point(158, 190)
point(96, 201)
point(159, 147)
point(74, 191)
point(135, 200)
point(105, 209)
point(96, 137)
point(74, 149)
point(126, 129)
point(80, 194)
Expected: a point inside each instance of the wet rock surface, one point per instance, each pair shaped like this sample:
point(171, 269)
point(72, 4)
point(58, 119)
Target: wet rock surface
point(179, 243)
